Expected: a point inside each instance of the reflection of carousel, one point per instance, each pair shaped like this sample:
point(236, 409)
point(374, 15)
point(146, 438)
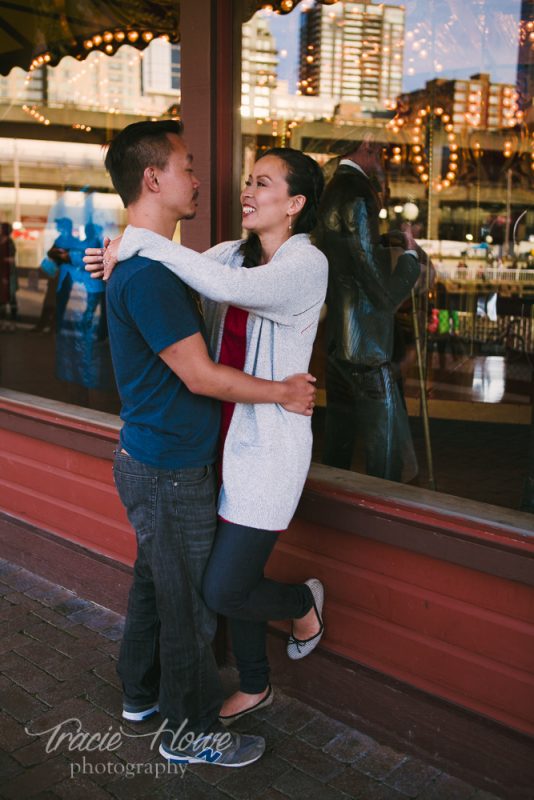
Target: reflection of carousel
point(478, 349)
point(490, 310)
point(481, 351)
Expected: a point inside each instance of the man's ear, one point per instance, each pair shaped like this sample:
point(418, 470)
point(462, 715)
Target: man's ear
point(150, 179)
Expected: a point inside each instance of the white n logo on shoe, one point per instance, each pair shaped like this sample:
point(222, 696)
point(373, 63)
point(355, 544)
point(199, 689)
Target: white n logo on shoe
point(210, 755)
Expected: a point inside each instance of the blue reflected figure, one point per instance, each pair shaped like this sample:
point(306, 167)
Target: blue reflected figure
point(96, 288)
point(82, 355)
point(63, 252)
point(55, 266)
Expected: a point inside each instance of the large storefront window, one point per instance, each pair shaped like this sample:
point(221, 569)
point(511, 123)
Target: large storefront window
point(55, 199)
point(446, 91)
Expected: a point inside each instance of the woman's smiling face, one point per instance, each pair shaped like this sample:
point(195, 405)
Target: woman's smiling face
point(265, 199)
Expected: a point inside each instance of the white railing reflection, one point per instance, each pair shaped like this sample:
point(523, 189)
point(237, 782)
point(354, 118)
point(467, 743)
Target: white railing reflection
point(487, 274)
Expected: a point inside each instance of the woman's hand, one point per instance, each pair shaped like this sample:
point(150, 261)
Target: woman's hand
point(94, 259)
point(101, 261)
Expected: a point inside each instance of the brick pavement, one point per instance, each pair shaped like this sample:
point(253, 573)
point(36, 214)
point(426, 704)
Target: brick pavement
point(57, 668)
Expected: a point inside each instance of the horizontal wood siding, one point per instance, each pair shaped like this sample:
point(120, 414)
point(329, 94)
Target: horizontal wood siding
point(431, 590)
point(462, 635)
point(65, 492)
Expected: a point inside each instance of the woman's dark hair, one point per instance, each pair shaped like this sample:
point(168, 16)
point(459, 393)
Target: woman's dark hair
point(304, 176)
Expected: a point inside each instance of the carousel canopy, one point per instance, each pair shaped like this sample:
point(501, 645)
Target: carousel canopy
point(38, 32)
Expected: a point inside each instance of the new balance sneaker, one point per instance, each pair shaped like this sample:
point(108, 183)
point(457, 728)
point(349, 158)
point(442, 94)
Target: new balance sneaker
point(137, 713)
point(224, 750)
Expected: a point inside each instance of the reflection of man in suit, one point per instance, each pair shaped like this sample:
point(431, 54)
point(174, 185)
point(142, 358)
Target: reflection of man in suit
point(365, 288)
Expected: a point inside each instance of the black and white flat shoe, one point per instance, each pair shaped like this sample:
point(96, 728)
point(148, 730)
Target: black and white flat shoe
point(299, 648)
point(267, 700)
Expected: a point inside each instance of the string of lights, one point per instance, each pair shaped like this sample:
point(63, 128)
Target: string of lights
point(107, 42)
point(286, 6)
point(418, 154)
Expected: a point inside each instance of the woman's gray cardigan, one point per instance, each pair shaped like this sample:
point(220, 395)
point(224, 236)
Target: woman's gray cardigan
point(267, 452)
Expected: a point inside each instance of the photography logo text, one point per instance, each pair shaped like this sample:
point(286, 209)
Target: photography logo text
point(70, 736)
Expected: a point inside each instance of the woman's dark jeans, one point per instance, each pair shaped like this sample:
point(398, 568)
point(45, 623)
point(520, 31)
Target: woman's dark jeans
point(166, 648)
point(234, 585)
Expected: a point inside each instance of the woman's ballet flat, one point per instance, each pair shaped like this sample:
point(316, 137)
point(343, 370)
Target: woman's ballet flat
point(267, 700)
point(299, 648)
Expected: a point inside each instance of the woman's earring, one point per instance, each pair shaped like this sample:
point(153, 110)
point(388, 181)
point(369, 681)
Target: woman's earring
point(290, 222)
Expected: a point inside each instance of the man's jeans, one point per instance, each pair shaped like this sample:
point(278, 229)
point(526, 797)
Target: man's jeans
point(166, 649)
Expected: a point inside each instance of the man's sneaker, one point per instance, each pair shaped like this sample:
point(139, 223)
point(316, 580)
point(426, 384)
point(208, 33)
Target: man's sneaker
point(138, 713)
point(224, 750)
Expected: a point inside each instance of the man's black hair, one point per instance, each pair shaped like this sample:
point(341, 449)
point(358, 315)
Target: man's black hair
point(138, 146)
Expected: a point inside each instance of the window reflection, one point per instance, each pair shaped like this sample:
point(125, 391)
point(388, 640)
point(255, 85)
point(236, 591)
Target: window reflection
point(445, 88)
point(58, 199)
point(489, 379)
point(447, 91)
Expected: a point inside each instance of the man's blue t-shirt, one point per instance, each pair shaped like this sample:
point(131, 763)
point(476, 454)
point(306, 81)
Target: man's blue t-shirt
point(165, 425)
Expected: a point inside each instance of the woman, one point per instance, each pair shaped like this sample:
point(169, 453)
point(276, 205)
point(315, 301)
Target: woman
point(268, 331)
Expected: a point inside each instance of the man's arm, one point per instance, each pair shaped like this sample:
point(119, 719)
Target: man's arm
point(370, 266)
point(385, 287)
point(189, 360)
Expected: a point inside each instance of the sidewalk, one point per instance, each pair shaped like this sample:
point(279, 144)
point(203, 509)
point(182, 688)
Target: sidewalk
point(57, 679)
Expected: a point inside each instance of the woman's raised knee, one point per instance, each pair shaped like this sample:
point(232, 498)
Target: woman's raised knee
point(220, 598)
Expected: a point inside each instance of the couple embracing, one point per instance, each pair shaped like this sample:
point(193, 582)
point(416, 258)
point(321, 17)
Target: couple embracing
point(180, 449)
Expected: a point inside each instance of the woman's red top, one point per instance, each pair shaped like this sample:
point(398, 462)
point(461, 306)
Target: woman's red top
point(233, 353)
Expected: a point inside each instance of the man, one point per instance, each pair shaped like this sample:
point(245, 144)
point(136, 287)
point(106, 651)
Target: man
point(365, 288)
point(164, 467)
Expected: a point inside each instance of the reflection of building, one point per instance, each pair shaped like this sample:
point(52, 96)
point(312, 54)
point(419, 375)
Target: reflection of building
point(300, 107)
point(525, 57)
point(161, 68)
point(16, 86)
point(263, 95)
point(471, 103)
point(44, 172)
point(352, 51)
point(139, 83)
point(259, 62)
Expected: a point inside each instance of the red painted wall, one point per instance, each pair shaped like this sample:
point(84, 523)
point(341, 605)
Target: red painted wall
point(47, 480)
point(457, 633)
point(428, 596)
